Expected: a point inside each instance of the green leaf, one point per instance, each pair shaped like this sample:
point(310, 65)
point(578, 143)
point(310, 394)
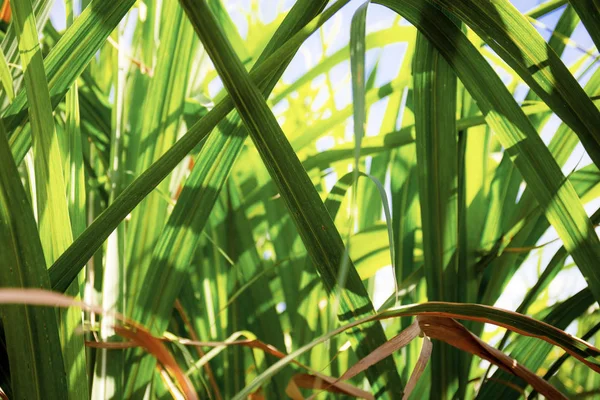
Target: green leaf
point(545, 8)
point(6, 77)
point(157, 135)
point(437, 150)
point(32, 339)
point(333, 203)
point(51, 201)
point(437, 164)
point(357, 66)
point(10, 44)
point(589, 12)
point(66, 62)
point(76, 189)
point(507, 32)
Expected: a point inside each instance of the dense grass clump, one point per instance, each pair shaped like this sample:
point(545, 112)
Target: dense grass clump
point(283, 199)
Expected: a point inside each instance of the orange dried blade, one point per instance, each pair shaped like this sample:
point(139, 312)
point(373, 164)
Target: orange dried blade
point(48, 298)
point(511, 327)
point(5, 12)
point(453, 333)
point(207, 368)
point(383, 351)
point(449, 331)
point(424, 357)
point(250, 343)
point(329, 384)
point(137, 334)
point(293, 391)
point(157, 348)
point(258, 395)
point(539, 384)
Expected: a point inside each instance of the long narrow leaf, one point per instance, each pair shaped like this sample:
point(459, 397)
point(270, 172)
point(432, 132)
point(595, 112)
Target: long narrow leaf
point(53, 210)
point(437, 162)
point(521, 46)
point(589, 12)
point(32, 338)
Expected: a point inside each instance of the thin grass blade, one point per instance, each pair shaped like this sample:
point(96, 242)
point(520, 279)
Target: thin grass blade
point(32, 338)
point(53, 210)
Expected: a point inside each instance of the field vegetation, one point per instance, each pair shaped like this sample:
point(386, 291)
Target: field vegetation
point(282, 199)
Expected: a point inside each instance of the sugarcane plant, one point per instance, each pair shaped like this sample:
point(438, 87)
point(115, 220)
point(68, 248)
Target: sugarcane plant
point(291, 199)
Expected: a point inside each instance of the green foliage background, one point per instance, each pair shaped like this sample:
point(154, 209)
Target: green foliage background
point(162, 159)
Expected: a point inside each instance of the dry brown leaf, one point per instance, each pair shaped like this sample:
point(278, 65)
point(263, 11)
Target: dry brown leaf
point(326, 383)
point(424, 357)
point(137, 334)
point(453, 333)
point(593, 350)
point(258, 395)
point(293, 391)
point(383, 351)
point(5, 12)
point(438, 325)
point(207, 369)
point(157, 348)
point(41, 297)
point(300, 380)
